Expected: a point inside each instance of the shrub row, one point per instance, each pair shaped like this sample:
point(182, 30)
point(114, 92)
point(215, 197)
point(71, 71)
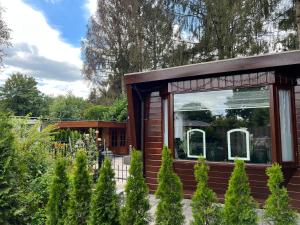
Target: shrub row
point(76, 204)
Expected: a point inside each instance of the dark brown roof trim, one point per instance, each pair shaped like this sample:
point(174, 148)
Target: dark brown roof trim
point(216, 67)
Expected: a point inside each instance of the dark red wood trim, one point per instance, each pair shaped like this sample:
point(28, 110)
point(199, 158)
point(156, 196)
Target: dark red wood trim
point(131, 117)
point(262, 62)
point(276, 157)
point(90, 124)
point(171, 123)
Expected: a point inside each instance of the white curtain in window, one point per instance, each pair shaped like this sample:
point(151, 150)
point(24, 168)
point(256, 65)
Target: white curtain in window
point(286, 125)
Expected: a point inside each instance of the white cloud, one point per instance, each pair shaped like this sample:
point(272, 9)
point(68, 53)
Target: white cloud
point(91, 6)
point(38, 49)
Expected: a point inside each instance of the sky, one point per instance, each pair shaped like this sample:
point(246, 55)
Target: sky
point(46, 36)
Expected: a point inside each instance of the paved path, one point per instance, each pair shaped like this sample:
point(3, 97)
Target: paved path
point(188, 211)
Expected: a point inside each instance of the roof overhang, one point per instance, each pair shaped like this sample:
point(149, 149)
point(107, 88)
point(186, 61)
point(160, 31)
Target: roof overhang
point(253, 63)
point(85, 124)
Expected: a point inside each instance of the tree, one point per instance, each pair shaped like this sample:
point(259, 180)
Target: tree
point(105, 201)
point(21, 96)
point(68, 107)
point(277, 208)
point(4, 35)
point(297, 5)
point(59, 196)
point(7, 176)
point(125, 36)
point(135, 210)
point(239, 208)
point(169, 192)
point(204, 202)
point(95, 112)
point(224, 28)
point(33, 173)
point(118, 110)
point(81, 192)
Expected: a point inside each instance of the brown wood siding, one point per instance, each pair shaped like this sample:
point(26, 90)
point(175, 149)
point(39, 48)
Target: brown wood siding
point(244, 80)
point(297, 105)
point(153, 140)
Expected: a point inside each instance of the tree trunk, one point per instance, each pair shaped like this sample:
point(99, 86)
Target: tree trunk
point(298, 20)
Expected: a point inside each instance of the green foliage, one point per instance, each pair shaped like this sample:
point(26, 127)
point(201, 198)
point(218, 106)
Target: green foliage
point(239, 208)
point(118, 111)
point(206, 210)
point(138, 36)
point(7, 176)
point(135, 210)
point(95, 112)
point(277, 208)
point(81, 192)
point(169, 192)
point(33, 148)
point(68, 107)
point(105, 201)
point(21, 96)
point(58, 196)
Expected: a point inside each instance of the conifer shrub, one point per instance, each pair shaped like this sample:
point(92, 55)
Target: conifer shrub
point(204, 203)
point(79, 206)
point(105, 202)
point(135, 210)
point(240, 207)
point(7, 178)
point(277, 208)
point(59, 194)
point(169, 192)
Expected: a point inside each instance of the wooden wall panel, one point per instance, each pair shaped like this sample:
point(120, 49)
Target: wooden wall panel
point(297, 105)
point(243, 80)
point(153, 137)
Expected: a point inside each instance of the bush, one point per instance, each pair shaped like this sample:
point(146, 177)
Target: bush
point(204, 202)
point(135, 211)
point(105, 201)
point(239, 208)
point(95, 112)
point(169, 192)
point(7, 176)
point(58, 197)
point(277, 209)
point(81, 192)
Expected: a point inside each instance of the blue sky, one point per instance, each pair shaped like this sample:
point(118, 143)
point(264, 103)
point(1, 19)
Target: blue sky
point(46, 36)
point(67, 16)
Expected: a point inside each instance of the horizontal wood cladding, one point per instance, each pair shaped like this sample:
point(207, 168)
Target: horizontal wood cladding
point(252, 79)
point(297, 106)
point(153, 140)
point(243, 80)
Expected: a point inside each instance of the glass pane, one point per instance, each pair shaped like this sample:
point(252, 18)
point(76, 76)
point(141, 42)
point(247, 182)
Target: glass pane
point(286, 125)
point(216, 113)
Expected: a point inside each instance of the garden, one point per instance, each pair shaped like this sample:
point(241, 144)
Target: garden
point(43, 184)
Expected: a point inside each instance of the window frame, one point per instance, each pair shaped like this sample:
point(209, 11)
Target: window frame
point(276, 150)
point(203, 141)
point(243, 130)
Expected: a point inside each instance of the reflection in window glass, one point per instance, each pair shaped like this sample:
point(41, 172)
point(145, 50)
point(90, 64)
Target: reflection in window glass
point(216, 113)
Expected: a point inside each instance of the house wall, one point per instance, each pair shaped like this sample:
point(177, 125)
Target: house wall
point(219, 172)
point(297, 104)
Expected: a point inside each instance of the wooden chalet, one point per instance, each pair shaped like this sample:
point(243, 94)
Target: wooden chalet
point(112, 134)
point(246, 108)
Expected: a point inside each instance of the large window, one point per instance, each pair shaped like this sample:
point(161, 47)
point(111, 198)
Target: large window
point(223, 125)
